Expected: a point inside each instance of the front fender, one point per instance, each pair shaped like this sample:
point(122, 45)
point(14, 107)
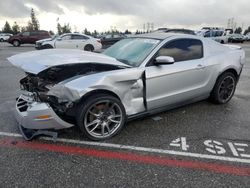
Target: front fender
point(125, 83)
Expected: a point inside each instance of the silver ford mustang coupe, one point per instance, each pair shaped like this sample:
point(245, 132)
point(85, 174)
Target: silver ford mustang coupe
point(136, 77)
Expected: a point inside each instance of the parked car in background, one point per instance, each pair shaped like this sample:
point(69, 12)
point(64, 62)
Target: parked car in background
point(136, 77)
point(70, 41)
point(182, 31)
point(4, 36)
point(218, 35)
point(247, 37)
point(28, 37)
point(110, 39)
point(236, 38)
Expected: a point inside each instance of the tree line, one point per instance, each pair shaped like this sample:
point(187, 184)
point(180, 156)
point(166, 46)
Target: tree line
point(33, 24)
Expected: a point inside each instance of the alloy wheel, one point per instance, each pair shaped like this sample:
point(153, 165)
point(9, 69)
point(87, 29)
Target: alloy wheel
point(226, 88)
point(103, 118)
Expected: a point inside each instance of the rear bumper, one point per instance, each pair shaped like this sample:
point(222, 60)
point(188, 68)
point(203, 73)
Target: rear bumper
point(37, 115)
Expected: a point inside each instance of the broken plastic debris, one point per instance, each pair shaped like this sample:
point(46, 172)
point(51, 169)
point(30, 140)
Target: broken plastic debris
point(29, 134)
point(157, 118)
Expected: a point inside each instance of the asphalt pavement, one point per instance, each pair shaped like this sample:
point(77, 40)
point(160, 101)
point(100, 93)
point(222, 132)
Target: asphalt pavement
point(198, 145)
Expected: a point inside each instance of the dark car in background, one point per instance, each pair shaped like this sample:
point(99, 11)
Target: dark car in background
point(182, 31)
point(110, 39)
point(28, 37)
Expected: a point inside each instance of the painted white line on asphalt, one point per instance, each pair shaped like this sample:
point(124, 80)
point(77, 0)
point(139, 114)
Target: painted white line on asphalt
point(10, 134)
point(136, 148)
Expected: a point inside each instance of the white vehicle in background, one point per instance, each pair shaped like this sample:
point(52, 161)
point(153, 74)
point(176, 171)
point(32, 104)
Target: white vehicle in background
point(219, 35)
point(4, 36)
point(247, 37)
point(70, 41)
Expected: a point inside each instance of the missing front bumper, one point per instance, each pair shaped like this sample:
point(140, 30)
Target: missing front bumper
point(28, 114)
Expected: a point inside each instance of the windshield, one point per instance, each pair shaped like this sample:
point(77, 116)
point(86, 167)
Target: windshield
point(132, 51)
point(54, 37)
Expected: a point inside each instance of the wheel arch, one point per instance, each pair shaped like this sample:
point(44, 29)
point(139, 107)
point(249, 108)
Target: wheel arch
point(97, 91)
point(213, 94)
point(17, 40)
point(47, 45)
point(232, 70)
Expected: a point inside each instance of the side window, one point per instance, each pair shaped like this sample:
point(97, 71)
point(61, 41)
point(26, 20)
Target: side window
point(214, 33)
point(33, 33)
point(26, 33)
point(183, 49)
point(66, 37)
point(207, 34)
point(44, 33)
point(79, 37)
point(108, 36)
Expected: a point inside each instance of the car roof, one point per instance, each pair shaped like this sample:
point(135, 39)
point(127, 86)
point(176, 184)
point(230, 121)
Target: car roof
point(75, 34)
point(162, 36)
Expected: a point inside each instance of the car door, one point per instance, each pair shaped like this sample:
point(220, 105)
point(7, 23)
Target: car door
point(64, 41)
point(25, 37)
point(33, 36)
point(181, 81)
point(79, 41)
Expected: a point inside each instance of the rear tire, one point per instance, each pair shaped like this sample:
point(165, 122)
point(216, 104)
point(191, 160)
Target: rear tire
point(89, 47)
point(16, 43)
point(101, 116)
point(1, 40)
point(224, 88)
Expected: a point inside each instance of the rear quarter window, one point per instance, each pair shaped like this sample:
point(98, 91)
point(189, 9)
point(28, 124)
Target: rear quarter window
point(183, 49)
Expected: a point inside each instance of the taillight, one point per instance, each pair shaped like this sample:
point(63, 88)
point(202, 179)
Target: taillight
point(98, 40)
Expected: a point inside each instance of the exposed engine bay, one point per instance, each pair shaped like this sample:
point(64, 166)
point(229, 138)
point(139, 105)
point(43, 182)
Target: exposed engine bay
point(41, 83)
point(49, 77)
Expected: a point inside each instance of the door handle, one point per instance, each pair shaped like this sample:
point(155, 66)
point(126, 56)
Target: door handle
point(200, 66)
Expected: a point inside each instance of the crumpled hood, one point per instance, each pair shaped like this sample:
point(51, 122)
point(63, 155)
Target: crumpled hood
point(37, 61)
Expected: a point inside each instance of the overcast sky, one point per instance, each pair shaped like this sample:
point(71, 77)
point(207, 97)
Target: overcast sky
point(126, 14)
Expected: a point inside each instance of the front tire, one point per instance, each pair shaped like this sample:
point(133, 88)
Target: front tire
point(224, 88)
point(47, 46)
point(101, 116)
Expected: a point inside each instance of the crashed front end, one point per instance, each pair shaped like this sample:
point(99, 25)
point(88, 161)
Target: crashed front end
point(45, 103)
point(54, 87)
point(36, 109)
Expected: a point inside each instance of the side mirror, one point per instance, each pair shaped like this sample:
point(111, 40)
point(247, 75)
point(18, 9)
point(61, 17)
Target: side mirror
point(162, 60)
point(59, 39)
